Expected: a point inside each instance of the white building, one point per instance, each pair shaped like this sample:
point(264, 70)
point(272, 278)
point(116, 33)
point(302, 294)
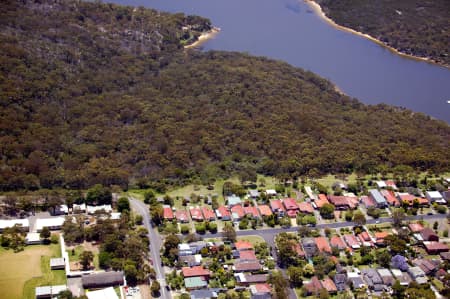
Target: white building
point(23, 223)
point(435, 196)
point(93, 209)
point(107, 293)
point(54, 223)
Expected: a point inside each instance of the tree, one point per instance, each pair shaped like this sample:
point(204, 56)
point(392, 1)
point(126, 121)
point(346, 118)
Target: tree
point(397, 218)
point(295, 276)
point(229, 233)
point(327, 211)
point(86, 258)
point(149, 197)
point(383, 258)
point(396, 245)
point(13, 237)
point(358, 218)
point(435, 225)
point(99, 195)
point(123, 204)
point(157, 214)
point(45, 233)
point(155, 287)
point(280, 285)
point(131, 273)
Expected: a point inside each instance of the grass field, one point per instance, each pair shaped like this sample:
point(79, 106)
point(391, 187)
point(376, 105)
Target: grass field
point(252, 239)
point(21, 272)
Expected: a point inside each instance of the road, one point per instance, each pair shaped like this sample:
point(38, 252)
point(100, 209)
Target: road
point(155, 244)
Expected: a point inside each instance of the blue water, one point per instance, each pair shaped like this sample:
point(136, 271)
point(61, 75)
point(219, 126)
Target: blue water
point(288, 30)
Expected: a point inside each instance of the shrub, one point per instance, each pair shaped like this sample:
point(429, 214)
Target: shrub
point(184, 229)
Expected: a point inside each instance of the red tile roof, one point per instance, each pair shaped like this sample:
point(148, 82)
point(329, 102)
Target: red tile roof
point(224, 212)
point(367, 201)
point(306, 207)
point(290, 204)
point(322, 244)
point(329, 285)
point(292, 213)
point(337, 242)
point(168, 213)
point(208, 213)
point(195, 271)
point(435, 247)
point(343, 201)
point(251, 210)
point(238, 210)
point(243, 245)
point(380, 236)
point(321, 200)
point(262, 288)
point(264, 210)
point(182, 216)
point(276, 205)
point(196, 214)
point(247, 255)
point(247, 266)
point(351, 240)
point(314, 286)
point(415, 227)
point(298, 249)
point(390, 198)
point(409, 199)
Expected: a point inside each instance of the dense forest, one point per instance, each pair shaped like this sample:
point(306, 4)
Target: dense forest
point(99, 93)
point(415, 27)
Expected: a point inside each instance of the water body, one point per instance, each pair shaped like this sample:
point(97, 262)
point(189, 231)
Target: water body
point(288, 30)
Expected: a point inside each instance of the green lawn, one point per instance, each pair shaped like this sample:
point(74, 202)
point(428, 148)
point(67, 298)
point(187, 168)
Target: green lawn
point(76, 256)
point(21, 272)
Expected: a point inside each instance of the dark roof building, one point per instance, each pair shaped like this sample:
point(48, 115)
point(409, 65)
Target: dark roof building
point(102, 280)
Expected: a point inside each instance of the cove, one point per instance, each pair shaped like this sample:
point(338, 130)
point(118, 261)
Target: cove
point(289, 30)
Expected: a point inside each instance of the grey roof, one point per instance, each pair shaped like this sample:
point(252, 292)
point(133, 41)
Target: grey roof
point(55, 262)
point(105, 279)
point(377, 196)
point(371, 277)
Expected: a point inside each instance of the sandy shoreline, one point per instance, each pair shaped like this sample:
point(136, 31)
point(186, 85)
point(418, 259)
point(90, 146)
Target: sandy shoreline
point(204, 37)
point(318, 10)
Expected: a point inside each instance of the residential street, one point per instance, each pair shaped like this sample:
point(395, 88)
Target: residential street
point(155, 244)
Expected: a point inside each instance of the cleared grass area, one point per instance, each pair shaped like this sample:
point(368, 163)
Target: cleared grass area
point(252, 239)
point(21, 272)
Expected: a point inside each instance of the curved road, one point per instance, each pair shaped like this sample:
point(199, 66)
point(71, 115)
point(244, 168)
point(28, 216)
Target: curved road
point(155, 244)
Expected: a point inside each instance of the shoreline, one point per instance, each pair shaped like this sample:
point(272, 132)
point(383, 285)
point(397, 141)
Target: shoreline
point(319, 12)
point(204, 37)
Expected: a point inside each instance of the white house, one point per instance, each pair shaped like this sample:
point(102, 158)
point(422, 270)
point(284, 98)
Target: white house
point(435, 196)
point(53, 223)
point(23, 223)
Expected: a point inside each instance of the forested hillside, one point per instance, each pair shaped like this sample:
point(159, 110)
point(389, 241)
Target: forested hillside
point(97, 93)
point(416, 27)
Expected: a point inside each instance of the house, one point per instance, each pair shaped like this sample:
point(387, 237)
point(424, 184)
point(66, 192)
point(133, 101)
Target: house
point(196, 214)
point(298, 249)
point(314, 286)
point(445, 256)
point(291, 207)
point(322, 244)
point(310, 193)
point(204, 294)
point(367, 201)
point(391, 184)
point(379, 238)
point(237, 212)
point(446, 195)
point(417, 274)
point(365, 239)
point(49, 291)
point(81, 208)
point(102, 280)
point(428, 234)
point(247, 256)
point(386, 276)
point(427, 266)
point(254, 194)
point(168, 213)
point(410, 199)
point(261, 291)
point(95, 209)
point(378, 198)
point(251, 211)
point(197, 271)
point(355, 280)
point(336, 242)
point(340, 281)
point(54, 223)
point(435, 196)
point(61, 210)
point(343, 202)
point(390, 198)
point(247, 279)
point(250, 266)
point(57, 263)
point(265, 210)
point(185, 249)
point(233, 200)
point(223, 213)
point(402, 277)
point(33, 239)
point(306, 207)
point(352, 241)
point(109, 293)
point(277, 207)
point(309, 246)
point(399, 262)
point(195, 283)
point(373, 279)
point(415, 227)
point(208, 214)
point(182, 216)
point(190, 260)
point(381, 184)
point(435, 247)
point(24, 224)
point(329, 285)
point(243, 245)
point(320, 201)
